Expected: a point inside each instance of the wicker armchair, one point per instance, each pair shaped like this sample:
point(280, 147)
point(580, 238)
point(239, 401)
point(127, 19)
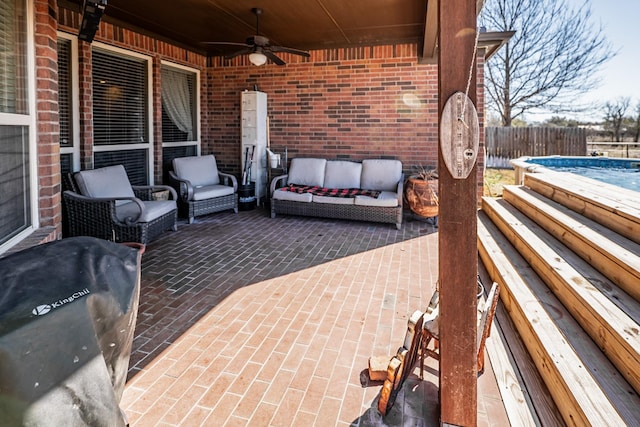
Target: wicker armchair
point(202, 187)
point(102, 203)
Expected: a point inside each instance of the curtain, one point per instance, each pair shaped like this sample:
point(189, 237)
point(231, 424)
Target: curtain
point(176, 100)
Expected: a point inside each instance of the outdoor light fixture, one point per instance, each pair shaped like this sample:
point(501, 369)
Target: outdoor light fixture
point(91, 14)
point(257, 58)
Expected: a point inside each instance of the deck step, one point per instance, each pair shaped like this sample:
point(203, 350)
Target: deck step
point(611, 206)
point(613, 255)
point(584, 384)
point(610, 316)
point(524, 393)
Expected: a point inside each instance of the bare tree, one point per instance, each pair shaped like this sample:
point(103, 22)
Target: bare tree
point(614, 116)
point(636, 128)
point(550, 61)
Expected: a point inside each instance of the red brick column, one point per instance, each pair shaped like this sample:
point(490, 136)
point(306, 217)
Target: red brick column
point(156, 87)
point(47, 120)
point(85, 94)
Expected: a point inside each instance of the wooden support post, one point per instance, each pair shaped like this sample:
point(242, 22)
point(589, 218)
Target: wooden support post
point(458, 255)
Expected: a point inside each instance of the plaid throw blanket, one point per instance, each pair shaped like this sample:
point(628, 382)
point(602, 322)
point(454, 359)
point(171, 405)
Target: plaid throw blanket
point(330, 192)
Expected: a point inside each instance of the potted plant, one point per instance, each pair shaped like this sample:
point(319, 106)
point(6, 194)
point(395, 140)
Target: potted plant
point(421, 192)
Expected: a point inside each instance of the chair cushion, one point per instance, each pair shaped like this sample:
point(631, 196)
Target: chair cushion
point(152, 210)
point(381, 174)
point(342, 174)
point(109, 182)
point(211, 192)
point(198, 170)
point(385, 199)
point(292, 196)
point(307, 171)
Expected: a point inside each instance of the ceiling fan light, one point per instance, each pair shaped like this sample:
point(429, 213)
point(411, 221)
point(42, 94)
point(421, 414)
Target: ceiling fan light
point(257, 58)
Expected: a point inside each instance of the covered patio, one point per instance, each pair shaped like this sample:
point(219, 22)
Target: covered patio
point(374, 85)
point(248, 320)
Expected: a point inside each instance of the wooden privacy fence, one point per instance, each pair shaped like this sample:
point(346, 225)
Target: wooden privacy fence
point(504, 143)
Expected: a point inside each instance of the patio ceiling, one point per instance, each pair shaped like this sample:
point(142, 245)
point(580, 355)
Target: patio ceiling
point(300, 24)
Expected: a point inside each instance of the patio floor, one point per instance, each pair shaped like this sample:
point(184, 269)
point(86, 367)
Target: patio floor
point(248, 320)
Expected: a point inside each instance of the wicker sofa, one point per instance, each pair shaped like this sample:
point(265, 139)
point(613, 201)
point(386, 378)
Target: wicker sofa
point(317, 187)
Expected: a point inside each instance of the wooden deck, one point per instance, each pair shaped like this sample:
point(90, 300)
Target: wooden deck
point(566, 253)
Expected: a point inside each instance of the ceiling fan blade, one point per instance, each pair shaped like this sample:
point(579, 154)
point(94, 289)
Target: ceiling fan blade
point(238, 53)
point(273, 57)
point(290, 50)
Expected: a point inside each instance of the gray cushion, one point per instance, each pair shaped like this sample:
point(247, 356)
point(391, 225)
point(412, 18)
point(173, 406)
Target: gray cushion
point(199, 171)
point(211, 191)
point(342, 174)
point(109, 182)
point(381, 174)
point(152, 210)
point(307, 171)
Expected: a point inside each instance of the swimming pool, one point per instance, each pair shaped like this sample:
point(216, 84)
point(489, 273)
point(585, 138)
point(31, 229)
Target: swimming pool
point(624, 173)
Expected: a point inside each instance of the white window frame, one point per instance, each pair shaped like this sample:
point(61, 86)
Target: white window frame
point(75, 102)
point(150, 144)
point(28, 120)
point(198, 141)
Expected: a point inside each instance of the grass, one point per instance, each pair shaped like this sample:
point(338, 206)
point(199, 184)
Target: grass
point(495, 179)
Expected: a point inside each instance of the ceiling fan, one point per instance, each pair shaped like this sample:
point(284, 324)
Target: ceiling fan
point(259, 48)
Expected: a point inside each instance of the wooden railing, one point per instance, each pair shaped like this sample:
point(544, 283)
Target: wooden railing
point(503, 144)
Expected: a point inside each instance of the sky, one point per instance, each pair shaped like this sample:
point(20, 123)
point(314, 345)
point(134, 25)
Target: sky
point(620, 76)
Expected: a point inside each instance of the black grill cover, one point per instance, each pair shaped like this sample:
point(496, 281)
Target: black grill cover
point(67, 316)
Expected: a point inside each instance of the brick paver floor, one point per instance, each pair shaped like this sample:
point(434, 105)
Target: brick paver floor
point(248, 320)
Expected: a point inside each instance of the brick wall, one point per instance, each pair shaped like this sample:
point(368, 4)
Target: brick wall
point(375, 102)
point(69, 21)
point(48, 146)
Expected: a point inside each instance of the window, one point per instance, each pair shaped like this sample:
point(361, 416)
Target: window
point(16, 202)
point(13, 57)
point(121, 112)
point(68, 104)
point(178, 105)
point(65, 92)
point(180, 132)
point(119, 99)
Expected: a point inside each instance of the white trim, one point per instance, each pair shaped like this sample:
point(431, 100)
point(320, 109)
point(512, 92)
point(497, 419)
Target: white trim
point(18, 119)
point(29, 121)
point(150, 145)
point(119, 147)
point(33, 128)
point(16, 239)
point(198, 141)
point(121, 51)
point(75, 102)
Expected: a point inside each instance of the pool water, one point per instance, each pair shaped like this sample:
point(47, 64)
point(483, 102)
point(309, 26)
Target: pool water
point(624, 173)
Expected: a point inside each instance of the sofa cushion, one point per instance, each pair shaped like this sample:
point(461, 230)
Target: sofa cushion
point(198, 170)
point(342, 174)
point(334, 200)
point(109, 182)
point(211, 191)
point(307, 171)
point(381, 174)
point(152, 210)
point(387, 199)
point(292, 196)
